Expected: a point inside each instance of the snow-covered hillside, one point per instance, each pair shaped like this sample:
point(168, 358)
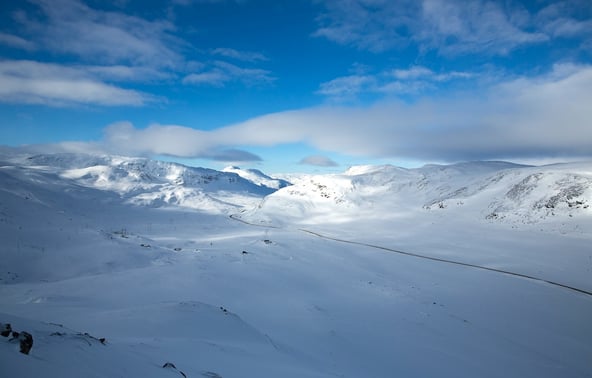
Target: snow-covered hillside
point(258, 177)
point(362, 274)
point(154, 183)
point(492, 191)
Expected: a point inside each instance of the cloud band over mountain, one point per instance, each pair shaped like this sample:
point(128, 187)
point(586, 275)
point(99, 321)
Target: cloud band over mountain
point(516, 119)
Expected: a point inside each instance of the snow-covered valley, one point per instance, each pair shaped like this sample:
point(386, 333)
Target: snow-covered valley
point(219, 274)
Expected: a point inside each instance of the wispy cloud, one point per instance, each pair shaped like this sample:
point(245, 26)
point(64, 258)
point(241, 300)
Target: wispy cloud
point(414, 80)
point(450, 27)
point(219, 73)
point(190, 2)
point(366, 24)
point(412, 73)
point(565, 19)
point(249, 76)
point(71, 27)
point(122, 73)
point(214, 78)
point(110, 48)
point(347, 87)
point(245, 56)
point(515, 119)
point(57, 85)
point(476, 26)
point(318, 161)
point(16, 42)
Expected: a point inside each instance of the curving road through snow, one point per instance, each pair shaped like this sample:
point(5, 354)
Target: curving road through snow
point(442, 260)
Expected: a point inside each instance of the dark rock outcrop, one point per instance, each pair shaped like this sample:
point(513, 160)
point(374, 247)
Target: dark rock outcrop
point(170, 365)
point(5, 329)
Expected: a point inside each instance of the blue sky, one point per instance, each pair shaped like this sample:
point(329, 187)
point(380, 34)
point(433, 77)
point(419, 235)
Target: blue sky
point(302, 85)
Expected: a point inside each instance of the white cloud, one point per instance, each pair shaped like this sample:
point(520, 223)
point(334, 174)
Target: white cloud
point(215, 78)
point(156, 139)
point(16, 41)
point(172, 140)
point(318, 160)
point(219, 73)
point(249, 76)
point(412, 73)
point(71, 27)
point(414, 80)
point(472, 26)
point(566, 19)
point(122, 73)
point(400, 88)
point(375, 25)
point(245, 56)
point(547, 115)
point(346, 86)
point(451, 27)
point(50, 84)
point(111, 47)
point(565, 27)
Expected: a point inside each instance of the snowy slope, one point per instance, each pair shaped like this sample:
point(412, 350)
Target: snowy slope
point(492, 191)
point(531, 220)
point(152, 183)
point(83, 259)
point(258, 177)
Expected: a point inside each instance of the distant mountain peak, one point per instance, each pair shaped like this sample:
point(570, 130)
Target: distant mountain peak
point(257, 177)
point(485, 191)
point(144, 181)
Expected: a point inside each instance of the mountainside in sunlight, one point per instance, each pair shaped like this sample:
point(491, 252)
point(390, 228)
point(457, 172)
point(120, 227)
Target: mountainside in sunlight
point(490, 191)
point(486, 191)
point(258, 177)
point(56, 209)
point(149, 182)
point(122, 266)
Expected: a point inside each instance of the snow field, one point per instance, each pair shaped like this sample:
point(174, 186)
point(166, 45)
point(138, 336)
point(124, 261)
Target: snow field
point(217, 297)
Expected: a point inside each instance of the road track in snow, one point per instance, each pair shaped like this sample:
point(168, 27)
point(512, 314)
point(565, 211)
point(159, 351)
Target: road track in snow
point(449, 261)
point(438, 259)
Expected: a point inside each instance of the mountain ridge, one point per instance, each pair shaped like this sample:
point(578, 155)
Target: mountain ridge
point(130, 265)
point(488, 191)
point(493, 191)
point(149, 182)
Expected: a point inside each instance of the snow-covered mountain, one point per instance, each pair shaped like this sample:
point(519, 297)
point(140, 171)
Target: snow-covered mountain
point(131, 267)
point(258, 177)
point(492, 191)
point(154, 183)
